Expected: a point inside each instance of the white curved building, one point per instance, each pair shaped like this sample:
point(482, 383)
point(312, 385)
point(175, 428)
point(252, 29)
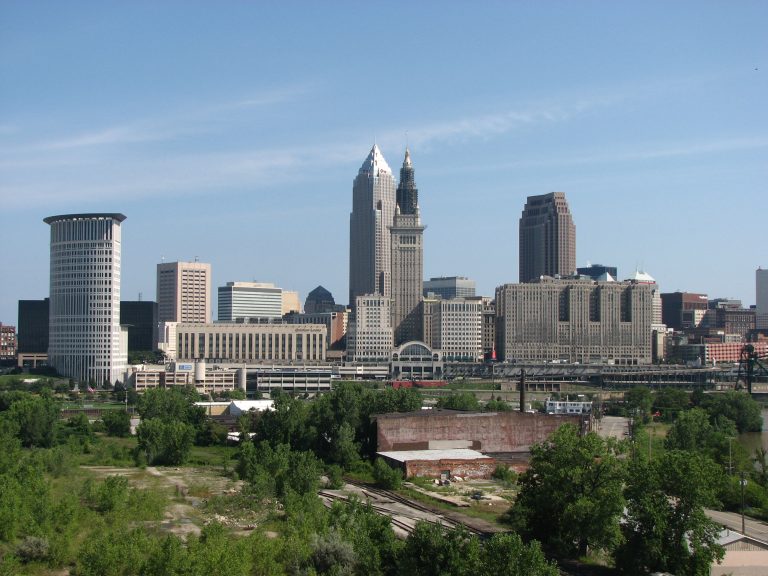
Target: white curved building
point(85, 340)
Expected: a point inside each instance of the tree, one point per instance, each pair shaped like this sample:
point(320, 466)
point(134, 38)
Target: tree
point(461, 401)
point(578, 480)
point(665, 527)
point(739, 407)
point(639, 402)
point(166, 443)
point(117, 423)
point(34, 418)
point(432, 550)
point(385, 476)
point(669, 402)
point(507, 554)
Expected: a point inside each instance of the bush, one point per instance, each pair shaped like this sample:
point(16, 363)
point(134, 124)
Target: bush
point(385, 476)
point(505, 474)
point(335, 478)
point(33, 549)
point(166, 443)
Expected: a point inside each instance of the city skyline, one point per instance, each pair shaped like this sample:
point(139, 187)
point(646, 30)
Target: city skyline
point(649, 118)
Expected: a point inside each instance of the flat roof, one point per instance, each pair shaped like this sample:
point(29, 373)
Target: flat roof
point(114, 215)
point(448, 454)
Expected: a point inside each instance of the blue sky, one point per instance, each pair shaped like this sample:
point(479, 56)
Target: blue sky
point(232, 131)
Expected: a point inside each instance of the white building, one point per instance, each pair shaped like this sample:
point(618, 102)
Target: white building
point(370, 337)
point(249, 300)
point(85, 338)
point(457, 328)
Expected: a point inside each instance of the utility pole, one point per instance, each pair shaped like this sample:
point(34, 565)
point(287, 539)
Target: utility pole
point(743, 484)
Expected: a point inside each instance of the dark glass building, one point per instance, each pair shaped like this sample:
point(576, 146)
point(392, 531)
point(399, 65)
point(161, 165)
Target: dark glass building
point(547, 238)
point(319, 301)
point(141, 319)
point(32, 329)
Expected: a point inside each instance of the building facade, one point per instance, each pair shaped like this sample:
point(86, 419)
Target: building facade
point(291, 302)
point(683, 310)
point(547, 238)
point(448, 287)
point(250, 343)
point(573, 320)
point(335, 324)
point(140, 318)
point(373, 213)
point(320, 300)
point(184, 292)
point(249, 300)
point(8, 343)
point(85, 339)
point(407, 237)
point(598, 271)
point(457, 329)
point(370, 337)
point(761, 299)
point(33, 326)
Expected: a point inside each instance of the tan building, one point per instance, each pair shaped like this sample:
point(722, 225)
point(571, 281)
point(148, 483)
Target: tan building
point(370, 338)
point(183, 292)
point(291, 302)
point(575, 320)
point(457, 329)
point(250, 343)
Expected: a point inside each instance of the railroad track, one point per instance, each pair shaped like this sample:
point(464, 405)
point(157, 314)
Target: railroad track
point(404, 518)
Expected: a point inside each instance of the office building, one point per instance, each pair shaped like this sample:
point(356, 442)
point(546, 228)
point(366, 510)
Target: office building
point(599, 272)
point(407, 235)
point(448, 287)
point(373, 212)
point(457, 329)
point(140, 318)
point(575, 320)
point(85, 339)
point(761, 299)
point(547, 238)
point(489, 328)
point(250, 343)
point(683, 310)
point(8, 347)
point(184, 292)
point(33, 326)
point(369, 336)
point(335, 324)
point(290, 302)
point(320, 300)
point(249, 300)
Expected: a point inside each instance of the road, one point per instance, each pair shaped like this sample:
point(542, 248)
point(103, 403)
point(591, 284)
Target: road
point(613, 427)
point(753, 528)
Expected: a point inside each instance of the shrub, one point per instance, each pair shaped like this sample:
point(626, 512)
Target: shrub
point(385, 476)
point(505, 474)
point(117, 423)
point(33, 549)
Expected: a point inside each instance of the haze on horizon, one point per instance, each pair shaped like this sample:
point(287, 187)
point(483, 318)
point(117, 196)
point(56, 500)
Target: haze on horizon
point(232, 133)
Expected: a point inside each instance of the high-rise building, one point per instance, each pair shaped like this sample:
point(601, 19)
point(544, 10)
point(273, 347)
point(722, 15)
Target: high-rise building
point(447, 287)
point(184, 292)
point(85, 338)
point(249, 300)
point(140, 318)
point(407, 258)
point(369, 337)
point(575, 320)
point(291, 302)
point(33, 326)
point(761, 299)
point(320, 300)
point(457, 328)
point(373, 212)
point(547, 238)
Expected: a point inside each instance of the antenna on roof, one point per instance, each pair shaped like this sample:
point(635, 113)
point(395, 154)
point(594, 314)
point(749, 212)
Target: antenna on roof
point(197, 259)
point(139, 296)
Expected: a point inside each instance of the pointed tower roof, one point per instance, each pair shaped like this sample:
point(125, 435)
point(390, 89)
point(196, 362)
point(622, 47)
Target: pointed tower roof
point(407, 162)
point(375, 162)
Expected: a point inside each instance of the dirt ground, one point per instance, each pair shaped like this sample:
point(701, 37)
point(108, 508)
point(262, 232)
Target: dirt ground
point(190, 489)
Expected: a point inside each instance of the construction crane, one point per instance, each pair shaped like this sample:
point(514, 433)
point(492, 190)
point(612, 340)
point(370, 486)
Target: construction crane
point(751, 368)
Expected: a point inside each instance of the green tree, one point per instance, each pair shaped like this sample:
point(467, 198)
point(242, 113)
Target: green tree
point(33, 418)
point(460, 401)
point(163, 442)
point(117, 423)
point(669, 402)
point(578, 480)
point(666, 529)
point(639, 402)
point(507, 554)
point(385, 476)
point(739, 407)
point(432, 550)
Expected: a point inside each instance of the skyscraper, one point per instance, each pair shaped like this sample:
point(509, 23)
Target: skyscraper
point(373, 211)
point(249, 300)
point(407, 258)
point(547, 238)
point(85, 339)
point(184, 292)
